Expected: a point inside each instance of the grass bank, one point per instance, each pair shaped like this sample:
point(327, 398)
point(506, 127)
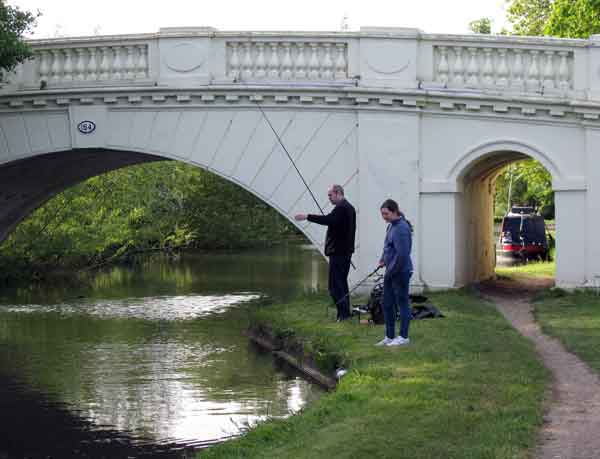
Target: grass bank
point(468, 386)
point(573, 318)
point(537, 269)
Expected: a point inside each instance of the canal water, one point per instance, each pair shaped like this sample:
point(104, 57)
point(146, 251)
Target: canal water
point(148, 360)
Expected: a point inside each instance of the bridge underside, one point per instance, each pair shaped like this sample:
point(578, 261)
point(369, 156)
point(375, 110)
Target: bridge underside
point(28, 183)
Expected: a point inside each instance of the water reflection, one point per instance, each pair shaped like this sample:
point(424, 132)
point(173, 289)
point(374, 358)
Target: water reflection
point(157, 350)
point(279, 272)
point(150, 308)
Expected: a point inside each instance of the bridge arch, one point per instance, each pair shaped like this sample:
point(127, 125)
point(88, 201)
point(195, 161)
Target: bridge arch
point(475, 175)
point(236, 144)
point(500, 153)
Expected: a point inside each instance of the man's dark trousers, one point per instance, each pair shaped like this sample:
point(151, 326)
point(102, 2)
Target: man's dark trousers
point(339, 267)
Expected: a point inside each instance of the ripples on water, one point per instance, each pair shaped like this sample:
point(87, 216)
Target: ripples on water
point(186, 307)
point(140, 376)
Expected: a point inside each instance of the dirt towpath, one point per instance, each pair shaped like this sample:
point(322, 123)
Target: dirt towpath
point(572, 420)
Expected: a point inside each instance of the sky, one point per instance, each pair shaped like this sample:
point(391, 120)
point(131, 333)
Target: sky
point(108, 17)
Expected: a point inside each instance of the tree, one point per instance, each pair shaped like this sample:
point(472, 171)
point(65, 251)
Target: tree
point(558, 18)
point(531, 185)
point(14, 23)
point(483, 25)
point(574, 18)
point(161, 206)
point(529, 17)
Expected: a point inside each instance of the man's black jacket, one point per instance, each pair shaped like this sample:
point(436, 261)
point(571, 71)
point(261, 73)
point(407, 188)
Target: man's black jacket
point(341, 228)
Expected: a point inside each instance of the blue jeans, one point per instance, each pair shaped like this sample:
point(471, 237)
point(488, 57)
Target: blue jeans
point(395, 297)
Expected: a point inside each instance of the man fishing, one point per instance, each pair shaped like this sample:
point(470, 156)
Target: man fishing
point(339, 246)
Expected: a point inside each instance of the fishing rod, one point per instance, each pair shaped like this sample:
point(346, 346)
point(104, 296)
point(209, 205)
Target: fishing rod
point(292, 161)
point(288, 155)
point(354, 288)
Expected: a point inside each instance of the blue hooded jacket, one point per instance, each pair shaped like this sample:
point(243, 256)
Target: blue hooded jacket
point(397, 247)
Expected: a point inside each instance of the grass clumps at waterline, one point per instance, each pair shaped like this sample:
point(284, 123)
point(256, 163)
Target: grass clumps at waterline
point(467, 386)
point(573, 318)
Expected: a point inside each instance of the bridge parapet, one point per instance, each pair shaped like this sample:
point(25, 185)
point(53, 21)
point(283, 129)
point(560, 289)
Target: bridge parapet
point(288, 60)
point(507, 66)
point(391, 58)
point(85, 62)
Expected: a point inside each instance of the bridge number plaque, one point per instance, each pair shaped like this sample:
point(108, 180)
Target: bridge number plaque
point(86, 127)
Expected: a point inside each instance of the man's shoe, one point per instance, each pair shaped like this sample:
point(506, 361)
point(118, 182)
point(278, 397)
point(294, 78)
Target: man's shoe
point(398, 341)
point(385, 342)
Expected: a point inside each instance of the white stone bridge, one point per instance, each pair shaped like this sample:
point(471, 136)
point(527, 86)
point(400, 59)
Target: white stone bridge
point(426, 119)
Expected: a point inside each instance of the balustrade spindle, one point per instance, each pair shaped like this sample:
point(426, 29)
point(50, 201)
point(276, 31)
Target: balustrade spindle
point(105, 63)
point(67, 66)
point(286, 73)
point(458, 71)
point(234, 61)
point(55, 70)
point(563, 71)
point(247, 66)
point(79, 64)
point(327, 66)
point(92, 67)
point(517, 73)
point(274, 61)
point(300, 67)
point(340, 62)
point(143, 61)
point(117, 67)
point(502, 70)
point(44, 68)
point(260, 61)
point(549, 70)
point(533, 81)
point(314, 62)
point(488, 68)
point(129, 63)
point(443, 67)
point(473, 68)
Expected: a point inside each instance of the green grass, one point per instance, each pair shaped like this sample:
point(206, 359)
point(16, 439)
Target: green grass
point(532, 269)
point(468, 386)
point(573, 318)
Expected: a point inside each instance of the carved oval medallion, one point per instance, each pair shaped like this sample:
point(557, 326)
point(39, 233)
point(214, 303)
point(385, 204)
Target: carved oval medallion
point(184, 57)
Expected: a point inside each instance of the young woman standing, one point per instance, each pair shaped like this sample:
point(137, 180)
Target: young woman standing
point(398, 271)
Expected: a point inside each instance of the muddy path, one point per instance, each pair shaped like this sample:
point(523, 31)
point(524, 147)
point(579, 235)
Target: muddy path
point(572, 420)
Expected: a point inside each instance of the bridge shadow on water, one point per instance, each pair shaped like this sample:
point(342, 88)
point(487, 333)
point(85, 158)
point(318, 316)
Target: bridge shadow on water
point(33, 426)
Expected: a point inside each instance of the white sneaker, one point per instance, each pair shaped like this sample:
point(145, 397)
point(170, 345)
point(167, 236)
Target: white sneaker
point(385, 342)
point(398, 341)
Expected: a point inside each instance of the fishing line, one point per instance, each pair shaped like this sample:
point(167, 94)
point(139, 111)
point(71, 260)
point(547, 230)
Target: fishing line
point(289, 156)
point(291, 160)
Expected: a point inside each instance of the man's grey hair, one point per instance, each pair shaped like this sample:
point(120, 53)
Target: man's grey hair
point(339, 189)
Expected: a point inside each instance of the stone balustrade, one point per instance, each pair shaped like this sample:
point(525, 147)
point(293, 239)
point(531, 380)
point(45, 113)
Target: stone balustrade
point(374, 58)
point(519, 69)
point(62, 67)
point(286, 60)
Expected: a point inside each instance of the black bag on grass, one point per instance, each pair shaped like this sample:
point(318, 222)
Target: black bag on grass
point(421, 307)
point(375, 304)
